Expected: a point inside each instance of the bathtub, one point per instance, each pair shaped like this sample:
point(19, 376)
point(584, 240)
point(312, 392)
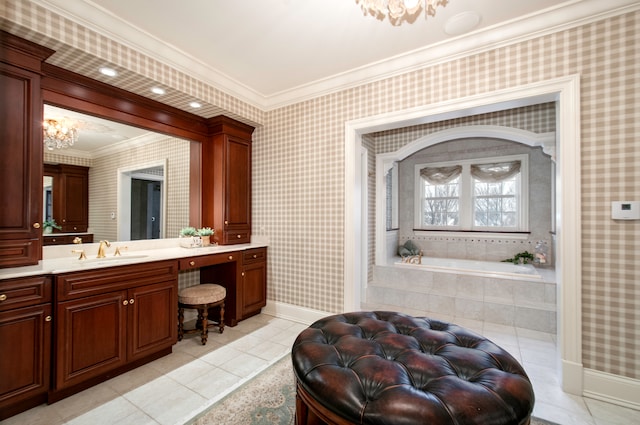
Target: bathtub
point(494, 269)
point(504, 293)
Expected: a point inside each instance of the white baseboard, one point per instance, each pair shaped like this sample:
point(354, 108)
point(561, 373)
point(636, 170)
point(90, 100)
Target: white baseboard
point(572, 377)
point(612, 388)
point(293, 312)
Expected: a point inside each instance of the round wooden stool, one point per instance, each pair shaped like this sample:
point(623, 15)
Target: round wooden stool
point(202, 298)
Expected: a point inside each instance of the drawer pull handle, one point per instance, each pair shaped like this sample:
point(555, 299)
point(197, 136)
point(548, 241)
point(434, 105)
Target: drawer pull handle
point(255, 256)
point(3, 297)
point(131, 301)
point(125, 302)
point(231, 257)
point(238, 236)
point(192, 263)
point(47, 319)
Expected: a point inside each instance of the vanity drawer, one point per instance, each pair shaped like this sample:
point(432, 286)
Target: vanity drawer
point(100, 281)
point(254, 255)
point(66, 239)
point(232, 237)
point(208, 260)
point(24, 292)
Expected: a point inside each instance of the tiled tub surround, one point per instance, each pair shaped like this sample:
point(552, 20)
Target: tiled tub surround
point(524, 302)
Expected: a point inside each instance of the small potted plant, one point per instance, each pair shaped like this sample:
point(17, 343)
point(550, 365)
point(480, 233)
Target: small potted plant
point(205, 234)
point(49, 224)
point(189, 237)
point(520, 258)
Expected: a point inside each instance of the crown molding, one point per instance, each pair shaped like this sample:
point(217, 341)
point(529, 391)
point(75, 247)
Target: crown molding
point(94, 17)
point(548, 21)
point(562, 17)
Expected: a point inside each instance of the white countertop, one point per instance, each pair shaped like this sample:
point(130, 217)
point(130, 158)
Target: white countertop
point(59, 258)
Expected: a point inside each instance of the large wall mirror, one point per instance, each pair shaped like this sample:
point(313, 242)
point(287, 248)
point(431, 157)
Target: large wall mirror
point(138, 180)
point(143, 140)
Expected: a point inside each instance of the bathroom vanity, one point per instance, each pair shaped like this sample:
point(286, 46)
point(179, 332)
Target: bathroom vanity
point(67, 324)
point(74, 323)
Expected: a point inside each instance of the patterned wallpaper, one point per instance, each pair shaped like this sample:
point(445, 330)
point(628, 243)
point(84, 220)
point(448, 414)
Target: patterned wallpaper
point(298, 156)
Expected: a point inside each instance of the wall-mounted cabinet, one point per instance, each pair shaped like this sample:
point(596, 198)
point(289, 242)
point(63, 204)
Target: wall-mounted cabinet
point(226, 181)
point(20, 151)
point(70, 196)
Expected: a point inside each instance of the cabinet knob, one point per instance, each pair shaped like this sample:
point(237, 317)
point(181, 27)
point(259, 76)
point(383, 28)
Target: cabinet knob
point(3, 297)
point(47, 319)
point(125, 302)
point(131, 301)
point(64, 220)
point(255, 255)
point(242, 274)
point(238, 236)
point(226, 222)
point(192, 263)
point(36, 225)
point(231, 257)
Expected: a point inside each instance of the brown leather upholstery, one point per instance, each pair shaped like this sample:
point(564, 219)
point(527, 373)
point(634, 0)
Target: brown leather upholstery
point(391, 368)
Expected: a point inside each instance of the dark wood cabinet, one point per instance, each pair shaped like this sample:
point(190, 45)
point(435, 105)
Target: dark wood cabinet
point(111, 320)
point(25, 333)
point(20, 151)
point(254, 281)
point(70, 196)
point(226, 181)
point(60, 239)
point(243, 273)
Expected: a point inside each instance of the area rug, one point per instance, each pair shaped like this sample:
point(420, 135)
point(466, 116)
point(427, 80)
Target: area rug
point(267, 399)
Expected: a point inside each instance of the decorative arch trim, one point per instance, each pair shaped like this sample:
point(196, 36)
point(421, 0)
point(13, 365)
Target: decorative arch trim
point(546, 140)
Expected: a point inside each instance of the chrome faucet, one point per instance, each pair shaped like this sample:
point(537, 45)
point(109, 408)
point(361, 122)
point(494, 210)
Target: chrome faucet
point(102, 247)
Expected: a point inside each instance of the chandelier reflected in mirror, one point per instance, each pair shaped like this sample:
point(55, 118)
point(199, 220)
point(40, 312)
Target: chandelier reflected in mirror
point(400, 11)
point(59, 134)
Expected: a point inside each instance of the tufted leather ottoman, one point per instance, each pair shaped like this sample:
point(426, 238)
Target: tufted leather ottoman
point(391, 368)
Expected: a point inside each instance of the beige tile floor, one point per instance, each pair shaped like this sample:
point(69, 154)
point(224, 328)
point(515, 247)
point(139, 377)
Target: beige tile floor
point(174, 389)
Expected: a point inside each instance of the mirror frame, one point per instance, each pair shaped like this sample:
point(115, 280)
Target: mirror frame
point(76, 92)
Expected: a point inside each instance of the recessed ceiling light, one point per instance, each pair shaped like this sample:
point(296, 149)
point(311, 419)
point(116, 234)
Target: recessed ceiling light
point(158, 90)
point(462, 23)
point(109, 72)
point(195, 105)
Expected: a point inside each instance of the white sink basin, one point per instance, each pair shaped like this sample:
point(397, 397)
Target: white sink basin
point(112, 259)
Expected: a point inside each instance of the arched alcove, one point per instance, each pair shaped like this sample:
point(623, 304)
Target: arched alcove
point(386, 161)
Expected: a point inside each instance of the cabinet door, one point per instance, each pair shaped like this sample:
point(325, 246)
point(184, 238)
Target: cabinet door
point(238, 193)
point(75, 198)
point(20, 166)
point(90, 337)
point(25, 334)
point(254, 288)
point(152, 314)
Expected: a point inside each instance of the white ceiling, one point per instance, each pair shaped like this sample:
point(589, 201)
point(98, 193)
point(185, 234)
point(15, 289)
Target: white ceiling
point(269, 52)
point(274, 52)
point(97, 136)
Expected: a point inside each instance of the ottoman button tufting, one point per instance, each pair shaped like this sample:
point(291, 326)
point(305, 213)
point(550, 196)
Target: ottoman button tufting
point(391, 368)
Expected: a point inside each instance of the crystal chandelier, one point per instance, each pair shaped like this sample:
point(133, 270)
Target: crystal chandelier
point(400, 10)
point(58, 134)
